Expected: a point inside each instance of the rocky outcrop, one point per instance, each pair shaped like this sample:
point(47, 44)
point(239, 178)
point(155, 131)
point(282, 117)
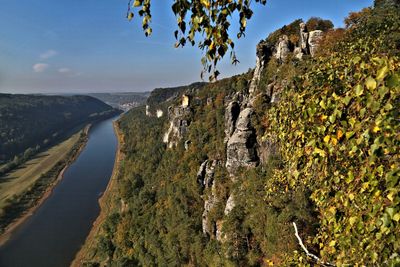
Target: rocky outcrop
point(148, 113)
point(230, 204)
point(309, 42)
point(264, 53)
point(313, 41)
point(282, 48)
point(231, 114)
point(179, 118)
point(159, 113)
point(241, 147)
point(205, 175)
point(205, 178)
point(303, 38)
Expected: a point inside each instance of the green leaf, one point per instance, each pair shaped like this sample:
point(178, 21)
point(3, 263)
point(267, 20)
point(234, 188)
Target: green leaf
point(370, 83)
point(393, 81)
point(382, 73)
point(359, 90)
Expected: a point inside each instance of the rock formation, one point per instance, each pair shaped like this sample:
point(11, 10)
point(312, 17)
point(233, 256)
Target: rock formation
point(242, 144)
point(179, 118)
point(313, 41)
point(205, 178)
point(282, 48)
point(264, 53)
point(231, 115)
point(309, 42)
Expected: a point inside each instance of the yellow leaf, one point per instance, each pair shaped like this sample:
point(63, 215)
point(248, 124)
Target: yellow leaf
point(332, 243)
point(396, 217)
point(370, 83)
point(352, 220)
point(339, 134)
point(334, 141)
point(351, 196)
point(319, 152)
point(332, 209)
point(376, 129)
point(327, 138)
point(205, 3)
point(390, 196)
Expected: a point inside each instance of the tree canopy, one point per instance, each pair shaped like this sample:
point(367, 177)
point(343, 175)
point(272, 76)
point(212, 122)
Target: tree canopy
point(209, 20)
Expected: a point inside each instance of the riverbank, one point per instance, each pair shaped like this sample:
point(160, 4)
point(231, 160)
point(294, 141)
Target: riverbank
point(106, 205)
point(27, 203)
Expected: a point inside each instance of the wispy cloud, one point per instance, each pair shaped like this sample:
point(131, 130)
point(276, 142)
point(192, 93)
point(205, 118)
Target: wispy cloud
point(40, 67)
point(64, 70)
point(48, 54)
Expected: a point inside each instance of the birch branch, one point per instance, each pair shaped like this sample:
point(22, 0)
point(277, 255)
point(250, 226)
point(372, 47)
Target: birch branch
point(306, 250)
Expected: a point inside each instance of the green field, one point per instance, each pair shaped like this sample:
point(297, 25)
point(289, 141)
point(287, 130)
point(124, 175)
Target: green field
point(19, 180)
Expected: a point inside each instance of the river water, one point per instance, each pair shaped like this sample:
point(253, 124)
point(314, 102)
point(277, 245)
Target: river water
point(59, 227)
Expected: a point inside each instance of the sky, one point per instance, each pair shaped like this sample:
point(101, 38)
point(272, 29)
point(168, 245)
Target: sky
point(82, 46)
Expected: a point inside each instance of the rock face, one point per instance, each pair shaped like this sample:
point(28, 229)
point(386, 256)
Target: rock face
point(309, 42)
point(148, 113)
point(230, 204)
point(159, 113)
point(282, 48)
point(241, 147)
point(231, 115)
point(313, 41)
point(179, 121)
point(205, 178)
point(303, 38)
point(264, 53)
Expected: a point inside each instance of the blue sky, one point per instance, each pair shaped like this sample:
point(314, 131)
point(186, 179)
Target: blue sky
point(78, 46)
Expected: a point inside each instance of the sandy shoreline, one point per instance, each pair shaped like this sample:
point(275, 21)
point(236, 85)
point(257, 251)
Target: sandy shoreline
point(104, 207)
point(5, 236)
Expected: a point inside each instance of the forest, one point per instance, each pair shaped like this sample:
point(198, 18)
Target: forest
point(29, 123)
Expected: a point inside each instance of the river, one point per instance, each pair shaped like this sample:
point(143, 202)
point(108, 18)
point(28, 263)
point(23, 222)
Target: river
point(56, 231)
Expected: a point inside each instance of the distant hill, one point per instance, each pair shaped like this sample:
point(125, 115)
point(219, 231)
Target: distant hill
point(28, 121)
point(124, 101)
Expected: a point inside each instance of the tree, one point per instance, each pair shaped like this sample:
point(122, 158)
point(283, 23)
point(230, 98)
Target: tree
point(207, 19)
point(316, 23)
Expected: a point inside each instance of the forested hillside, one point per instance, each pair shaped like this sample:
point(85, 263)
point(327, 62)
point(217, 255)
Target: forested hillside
point(304, 149)
point(32, 121)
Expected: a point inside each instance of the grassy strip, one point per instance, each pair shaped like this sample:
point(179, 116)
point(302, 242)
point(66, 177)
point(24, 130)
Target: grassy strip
point(18, 206)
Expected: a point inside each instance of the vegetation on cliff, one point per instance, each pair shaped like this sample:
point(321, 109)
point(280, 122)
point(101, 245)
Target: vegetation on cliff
point(334, 169)
point(338, 131)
